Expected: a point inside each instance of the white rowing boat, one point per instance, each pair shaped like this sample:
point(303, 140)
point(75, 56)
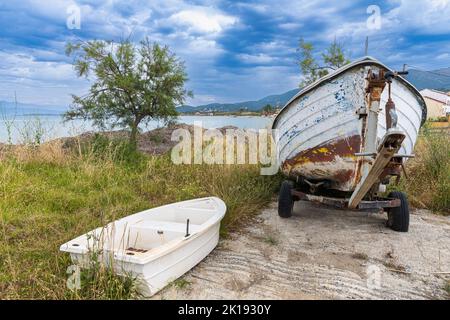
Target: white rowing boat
point(155, 246)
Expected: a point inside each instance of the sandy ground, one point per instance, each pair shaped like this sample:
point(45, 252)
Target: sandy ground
point(322, 253)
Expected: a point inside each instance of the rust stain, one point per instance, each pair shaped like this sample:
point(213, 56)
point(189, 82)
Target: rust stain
point(327, 154)
point(343, 175)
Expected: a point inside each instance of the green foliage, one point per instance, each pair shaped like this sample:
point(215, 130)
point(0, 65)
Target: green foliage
point(181, 283)
point(116, 149)
point(100, 283)
point(271, 240)
point(308, 65)
point(429, 171)
point(131, 84)
point(268, 108)
point(447, 287)
point(439, 119)
point(333, 58)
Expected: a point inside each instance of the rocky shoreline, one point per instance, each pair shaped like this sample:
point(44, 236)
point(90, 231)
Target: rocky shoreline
point(154, 142)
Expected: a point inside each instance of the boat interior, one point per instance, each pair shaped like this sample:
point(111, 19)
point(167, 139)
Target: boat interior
point(151, 230)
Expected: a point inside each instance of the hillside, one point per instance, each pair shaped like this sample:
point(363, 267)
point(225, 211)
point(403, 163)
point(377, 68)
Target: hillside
point(437, 79)
point(10, 108)
point(274, 100)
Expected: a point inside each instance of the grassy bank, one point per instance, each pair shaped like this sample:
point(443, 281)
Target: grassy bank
point(49, 195)
point(428, 175)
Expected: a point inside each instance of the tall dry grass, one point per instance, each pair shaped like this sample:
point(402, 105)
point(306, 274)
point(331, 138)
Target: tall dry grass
point(50, 194)
point(428, 175)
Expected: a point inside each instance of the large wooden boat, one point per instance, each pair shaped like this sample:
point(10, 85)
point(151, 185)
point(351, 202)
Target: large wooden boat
point(324, 127)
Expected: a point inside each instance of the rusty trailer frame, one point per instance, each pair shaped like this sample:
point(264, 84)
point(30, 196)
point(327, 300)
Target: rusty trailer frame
point(381, 203)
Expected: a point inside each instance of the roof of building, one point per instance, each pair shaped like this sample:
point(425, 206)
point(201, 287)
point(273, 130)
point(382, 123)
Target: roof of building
point(436, 95)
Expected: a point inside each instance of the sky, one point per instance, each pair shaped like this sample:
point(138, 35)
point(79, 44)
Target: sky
point(233, 51)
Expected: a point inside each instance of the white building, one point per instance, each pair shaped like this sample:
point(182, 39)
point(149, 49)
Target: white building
point(438, 103)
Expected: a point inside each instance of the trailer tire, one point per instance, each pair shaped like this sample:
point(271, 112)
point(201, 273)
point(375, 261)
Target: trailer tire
point(398, 218)
point(285, 199)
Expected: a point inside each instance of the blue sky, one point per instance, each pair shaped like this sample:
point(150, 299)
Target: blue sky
point(234, 51)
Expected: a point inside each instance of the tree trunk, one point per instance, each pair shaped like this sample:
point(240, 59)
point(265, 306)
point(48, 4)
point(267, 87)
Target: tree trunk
point(133, 135)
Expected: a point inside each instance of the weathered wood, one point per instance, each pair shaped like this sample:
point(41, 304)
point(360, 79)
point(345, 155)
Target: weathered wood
point(388, 148)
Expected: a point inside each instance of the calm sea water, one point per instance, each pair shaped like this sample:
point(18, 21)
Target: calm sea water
point(27, 128)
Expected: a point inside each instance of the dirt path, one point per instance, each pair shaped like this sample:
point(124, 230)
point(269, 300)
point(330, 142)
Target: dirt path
point(322, 253)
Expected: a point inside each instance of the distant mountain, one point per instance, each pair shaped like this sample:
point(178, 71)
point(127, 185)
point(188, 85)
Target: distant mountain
point(437, 79)
point(444, 71)
point(10, 108)
point(275, 100)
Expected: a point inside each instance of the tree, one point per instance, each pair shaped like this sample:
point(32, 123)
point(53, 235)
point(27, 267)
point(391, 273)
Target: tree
point(307, 63)
point(333, 58)
point(131, 85)
point(268, 108)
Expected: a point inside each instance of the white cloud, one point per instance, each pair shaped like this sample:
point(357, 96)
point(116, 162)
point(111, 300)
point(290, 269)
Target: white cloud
point(418, 17)
point(290, 26)
point(25, 66)
point(200, 99)
point(194, 33)
point(260, 58)
point(250, 83)
point(50, 9)
point(259, 8)
point(275, 46)
point(202, 20)
point(424, 17)
point(40, 82)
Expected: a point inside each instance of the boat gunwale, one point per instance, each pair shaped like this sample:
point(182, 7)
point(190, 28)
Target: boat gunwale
point(363, 61)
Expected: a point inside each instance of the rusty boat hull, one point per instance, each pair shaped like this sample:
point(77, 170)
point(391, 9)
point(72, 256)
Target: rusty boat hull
point(320, 131)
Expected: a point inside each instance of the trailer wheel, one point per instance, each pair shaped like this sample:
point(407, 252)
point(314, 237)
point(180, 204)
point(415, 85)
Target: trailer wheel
point(398, 218)
point(285, 200)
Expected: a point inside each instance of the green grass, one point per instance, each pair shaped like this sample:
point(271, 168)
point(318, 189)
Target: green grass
point(181, 283)
point(447, 287)
point(428, 181)
point(271, 240)
point(49, 195)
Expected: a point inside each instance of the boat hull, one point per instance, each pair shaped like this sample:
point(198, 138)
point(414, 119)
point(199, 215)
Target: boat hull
point(151, 278)
point(320, 130)
point(135, 246)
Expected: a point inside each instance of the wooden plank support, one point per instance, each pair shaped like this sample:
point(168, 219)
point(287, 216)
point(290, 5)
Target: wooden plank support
point(387, 149)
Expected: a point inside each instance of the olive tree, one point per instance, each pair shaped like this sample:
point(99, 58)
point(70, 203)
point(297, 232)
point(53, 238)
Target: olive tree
point(131, 84)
